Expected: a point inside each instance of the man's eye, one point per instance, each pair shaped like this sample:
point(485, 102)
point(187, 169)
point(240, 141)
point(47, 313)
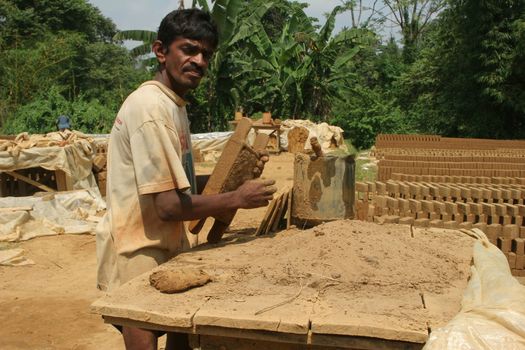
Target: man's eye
point(191, 50)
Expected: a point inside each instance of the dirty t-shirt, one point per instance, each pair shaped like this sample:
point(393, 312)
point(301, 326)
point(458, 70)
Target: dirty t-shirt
point(149, 152)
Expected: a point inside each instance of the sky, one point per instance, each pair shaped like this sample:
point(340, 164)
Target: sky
point(147, 14)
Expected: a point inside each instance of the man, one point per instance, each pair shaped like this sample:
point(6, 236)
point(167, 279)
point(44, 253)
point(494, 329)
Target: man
point(63, 123)
point(150, 170)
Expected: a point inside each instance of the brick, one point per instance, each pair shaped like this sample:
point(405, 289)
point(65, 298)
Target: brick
point(451, 225)
point(501, 209)
point(444, 191)
point(391, 219)
point(392, 203)
point(392, 188)
point(404, 189)
point(476, 193)
point(518, 246)
point(406, 220)
point(403, 205)
point(510, 231)
point(371, 186)
point(421, 222)
point(465, 193)
point(414, 189)
point(504, 244)
point(488, 209)
point(439, 207)
point(380, 187)
point(380, 201)
point(475, 208)
point(522, 231)
point(446, 217)
point(436, 223)
point(463, 208)
point(465, 225)
point(434, 216)
point(480, 225)
point(507, 219)
point(361, 187)
point(511, 257)
point(451, 208)
point(415, 205)
point(521, 209)
point(520, 262)
point(421, 215)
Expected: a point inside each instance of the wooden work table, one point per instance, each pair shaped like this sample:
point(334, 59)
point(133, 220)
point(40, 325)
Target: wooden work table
point(247, 306)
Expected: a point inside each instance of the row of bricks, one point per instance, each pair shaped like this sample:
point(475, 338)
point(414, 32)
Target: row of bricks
point(458, 218)
point(449, 165)
point(501, 235)
point(455, 142)
point(456, 159)
point(441, 152)
point(441, 146)
point(464, 192)
point(385, 172)
point(440, 207)
point(496, 180)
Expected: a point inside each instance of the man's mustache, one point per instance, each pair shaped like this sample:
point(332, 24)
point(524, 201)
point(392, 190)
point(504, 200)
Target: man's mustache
point(193, 68)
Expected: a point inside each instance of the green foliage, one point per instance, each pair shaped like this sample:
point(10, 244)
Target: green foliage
point(469, 79)
point(39, 116)
point(60, 48)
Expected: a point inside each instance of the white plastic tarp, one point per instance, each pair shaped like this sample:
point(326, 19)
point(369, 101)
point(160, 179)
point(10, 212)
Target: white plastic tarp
point(72, 212)
point(492, 315)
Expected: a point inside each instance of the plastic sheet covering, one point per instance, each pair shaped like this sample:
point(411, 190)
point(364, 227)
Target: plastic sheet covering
point(327, 135)
point(72, 212)
point(71, 152)
point(14, 257)
point(493, 306)
point(210, 145)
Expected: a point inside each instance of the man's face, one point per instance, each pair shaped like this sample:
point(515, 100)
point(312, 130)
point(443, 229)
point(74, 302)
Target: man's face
point(186, 62)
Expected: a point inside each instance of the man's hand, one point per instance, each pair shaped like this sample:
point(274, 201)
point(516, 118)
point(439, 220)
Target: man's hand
point(255, 193)
point(263, 159)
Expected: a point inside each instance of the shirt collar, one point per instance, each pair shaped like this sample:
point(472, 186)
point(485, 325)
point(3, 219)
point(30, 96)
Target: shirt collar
point(170, 93)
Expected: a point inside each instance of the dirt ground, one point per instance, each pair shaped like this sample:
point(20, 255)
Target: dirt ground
point(46, 305)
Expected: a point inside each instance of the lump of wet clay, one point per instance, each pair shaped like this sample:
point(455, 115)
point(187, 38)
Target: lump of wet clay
point(178, 280)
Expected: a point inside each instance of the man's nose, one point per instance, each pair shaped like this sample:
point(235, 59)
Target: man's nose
point(200, 60)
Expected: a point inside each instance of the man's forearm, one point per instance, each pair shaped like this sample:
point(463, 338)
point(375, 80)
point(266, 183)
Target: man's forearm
point(174, 205)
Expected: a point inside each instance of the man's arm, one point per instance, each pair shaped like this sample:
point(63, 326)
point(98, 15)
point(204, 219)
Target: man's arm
point(175, 205)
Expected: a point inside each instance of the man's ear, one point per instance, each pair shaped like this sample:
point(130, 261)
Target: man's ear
point(158, 50)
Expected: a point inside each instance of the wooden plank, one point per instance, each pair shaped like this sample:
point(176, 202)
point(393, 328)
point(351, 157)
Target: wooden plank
point(63, 181)
point(289, 210)
point(273, 218)
point(269, 211)
point(8, 209)
point(293, 317)
point(336, 314)
point(223, 168)
point(138, 301)
point(282, 205)
point(29, 181)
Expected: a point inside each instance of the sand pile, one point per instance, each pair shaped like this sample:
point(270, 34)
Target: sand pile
point(353, 273)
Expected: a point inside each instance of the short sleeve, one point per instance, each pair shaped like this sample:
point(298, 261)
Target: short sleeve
point(155, 151)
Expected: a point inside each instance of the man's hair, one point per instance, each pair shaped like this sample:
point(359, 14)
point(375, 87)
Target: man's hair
point(192, 24)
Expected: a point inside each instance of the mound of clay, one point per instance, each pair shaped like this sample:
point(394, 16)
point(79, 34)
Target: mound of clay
point(178, 280)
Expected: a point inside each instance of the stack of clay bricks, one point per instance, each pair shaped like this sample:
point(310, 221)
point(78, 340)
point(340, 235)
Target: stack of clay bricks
point(496, 207)
point(435, 155)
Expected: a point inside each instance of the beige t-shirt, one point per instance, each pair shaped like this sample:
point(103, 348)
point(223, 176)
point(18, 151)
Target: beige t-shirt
point(148, 141)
